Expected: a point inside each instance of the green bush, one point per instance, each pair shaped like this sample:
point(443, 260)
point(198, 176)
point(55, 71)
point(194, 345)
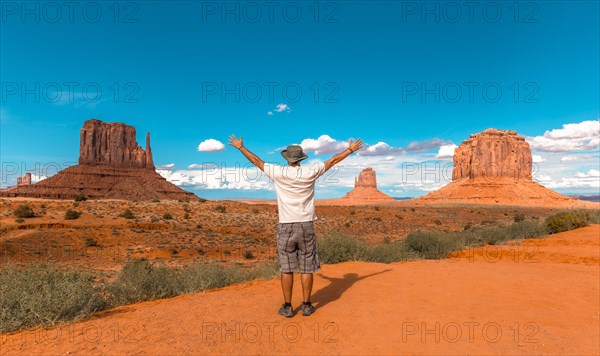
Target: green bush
point(72, 214)
point(140, 280)
point(432, 245)
point(167, 216)
point(91, 242)
point(44, 295)
point(127, 214)
point(80, 197)
point(24, 211)
point(519, 217)
point(569, 220)
point(336, 249)
point(221, 209)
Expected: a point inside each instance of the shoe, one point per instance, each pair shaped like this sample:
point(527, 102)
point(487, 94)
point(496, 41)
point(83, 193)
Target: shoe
point(286, 311)
point(307, 309)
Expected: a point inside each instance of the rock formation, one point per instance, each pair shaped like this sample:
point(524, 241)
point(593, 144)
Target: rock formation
point(365, 189)
point(493, 153)
point(25, 180)
point(495, 167)
point(113, 144)
point(111, 166)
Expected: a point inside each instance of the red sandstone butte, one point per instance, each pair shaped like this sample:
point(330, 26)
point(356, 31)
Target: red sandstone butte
point(365, 190)
point(25, 180)
point(111, 166)
point(495, 167)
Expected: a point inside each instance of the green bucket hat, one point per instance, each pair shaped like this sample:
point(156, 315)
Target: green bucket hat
point(293, 154)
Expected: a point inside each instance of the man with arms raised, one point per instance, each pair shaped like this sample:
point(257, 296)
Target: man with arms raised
point(295, 188)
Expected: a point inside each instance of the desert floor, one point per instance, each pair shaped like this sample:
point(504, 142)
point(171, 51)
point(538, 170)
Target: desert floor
point(539, 296)
point(220, 231)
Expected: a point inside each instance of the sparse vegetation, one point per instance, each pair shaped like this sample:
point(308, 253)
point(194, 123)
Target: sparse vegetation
point(167, 216)
point(519, 217)
point(80, 197)
point(570, 220)
point(248, 255)
point(24, 211)
point(221, 209)
point(91, 242)
point(45, 295)
point(127, 214)
point(72, 214)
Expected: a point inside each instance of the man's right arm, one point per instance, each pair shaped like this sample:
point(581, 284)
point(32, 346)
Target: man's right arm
point(352, 147)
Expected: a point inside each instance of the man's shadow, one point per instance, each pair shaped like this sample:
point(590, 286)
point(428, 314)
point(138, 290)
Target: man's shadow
point(337, 286)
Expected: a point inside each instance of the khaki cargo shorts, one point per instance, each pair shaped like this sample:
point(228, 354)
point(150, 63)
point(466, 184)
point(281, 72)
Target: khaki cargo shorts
point(297, 247)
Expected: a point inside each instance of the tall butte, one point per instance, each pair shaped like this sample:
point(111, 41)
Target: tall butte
point(495, 167)
point(365, 189)
point(111, 166)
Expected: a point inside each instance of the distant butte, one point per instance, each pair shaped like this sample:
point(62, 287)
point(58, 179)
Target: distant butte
point(495, 167)
point(365, 190)
point(111, 166)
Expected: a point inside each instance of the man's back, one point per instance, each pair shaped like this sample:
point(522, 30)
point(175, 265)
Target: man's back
point(295, 188)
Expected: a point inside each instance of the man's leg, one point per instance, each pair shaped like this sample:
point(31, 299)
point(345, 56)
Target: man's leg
point(287, 283)
point(307, 283)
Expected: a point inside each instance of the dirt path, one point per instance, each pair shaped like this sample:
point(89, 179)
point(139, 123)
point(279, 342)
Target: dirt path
point(539, 297)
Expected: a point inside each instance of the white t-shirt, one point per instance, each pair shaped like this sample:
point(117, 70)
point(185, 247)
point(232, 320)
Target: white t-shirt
point(295, 188)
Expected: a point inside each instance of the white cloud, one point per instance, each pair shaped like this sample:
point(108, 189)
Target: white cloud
point(446, 151)
point(281, 107)
point(569, 158)
point(211, 145)
point(166, 166)
point(323, 145)
point(380, 149)
point(592, 173)
point(537, 159)
point(36, 178)
point(571, 137)
point(422, 146)
point(216, 177)
point(390, 158)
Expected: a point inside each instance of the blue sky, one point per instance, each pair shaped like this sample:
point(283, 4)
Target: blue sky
point(412, 76)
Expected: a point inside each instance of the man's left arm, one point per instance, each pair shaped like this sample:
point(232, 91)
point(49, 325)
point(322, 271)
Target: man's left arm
point(239, 144)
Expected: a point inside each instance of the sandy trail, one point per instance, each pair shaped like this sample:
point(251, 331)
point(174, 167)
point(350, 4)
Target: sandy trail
point(539, 297)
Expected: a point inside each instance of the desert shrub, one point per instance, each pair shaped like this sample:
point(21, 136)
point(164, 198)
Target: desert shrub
point(20, 220)
point(80, 197)
point(24, 211)
point(221, 209)
point(127, 214)
point(390, 252)
point(72, 214)
point(91, 242)
point(248, 255)
point(140, 280)
point(336, 249)
point(45, 295)
point(75, 204)
point(198, 226)
point(167, 216)
point(377, 208)
point(432, 245)
point(569, 220)
point(203, 276)
point(264, 271)
point(226, 252)
point(438, 222)
point(155, 200)
point(255, 211)
point(468, 226)
point(519, 217)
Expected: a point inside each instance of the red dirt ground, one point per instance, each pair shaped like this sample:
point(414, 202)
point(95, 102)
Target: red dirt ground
point(539, 297)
